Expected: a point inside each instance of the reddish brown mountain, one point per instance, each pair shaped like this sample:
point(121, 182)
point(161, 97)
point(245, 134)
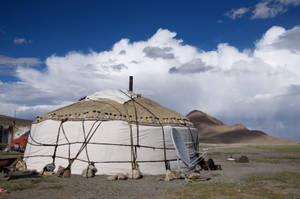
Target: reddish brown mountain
point(212, 130)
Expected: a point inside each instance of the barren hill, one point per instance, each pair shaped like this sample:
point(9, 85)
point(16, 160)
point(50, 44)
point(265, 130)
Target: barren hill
point(212, 130)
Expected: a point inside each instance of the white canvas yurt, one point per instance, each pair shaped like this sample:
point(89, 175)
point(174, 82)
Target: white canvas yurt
point(117, 131)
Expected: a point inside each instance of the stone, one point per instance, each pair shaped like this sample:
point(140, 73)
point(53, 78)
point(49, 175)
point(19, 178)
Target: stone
point(66, 173)
point(134, 174)
point(60, 171)
point(193, 176)
point(21, 166)
point(172, 175)
point(90, 171)
point(112, 177)
point(49, 167)
point(121, 176)
point(197, 168)
point(48, 173)
point(84, 173)
point(242, 159)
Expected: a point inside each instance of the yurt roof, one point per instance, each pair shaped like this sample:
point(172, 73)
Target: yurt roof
point(118, 105)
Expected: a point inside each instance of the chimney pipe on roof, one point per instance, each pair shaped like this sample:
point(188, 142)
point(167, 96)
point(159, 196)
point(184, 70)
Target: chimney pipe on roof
point(131, 83)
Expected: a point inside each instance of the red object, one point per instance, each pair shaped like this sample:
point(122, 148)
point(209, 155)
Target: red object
point(20, 141)
point(3, 191)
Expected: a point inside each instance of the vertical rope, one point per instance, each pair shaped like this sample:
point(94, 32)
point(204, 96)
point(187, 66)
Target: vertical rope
point(137, 123)
point(132, 155)
point(137, 133)
point(56, 143)
point(86, 141)
point(133, 160)
point(163, 132)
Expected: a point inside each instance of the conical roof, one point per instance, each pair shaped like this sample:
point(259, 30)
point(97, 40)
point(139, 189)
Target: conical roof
point(118, 105)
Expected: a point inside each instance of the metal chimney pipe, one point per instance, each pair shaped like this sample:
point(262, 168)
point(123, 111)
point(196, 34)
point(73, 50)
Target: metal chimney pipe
point(131, 83)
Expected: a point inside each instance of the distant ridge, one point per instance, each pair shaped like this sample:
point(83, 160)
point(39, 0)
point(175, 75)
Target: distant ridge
point(214, 131)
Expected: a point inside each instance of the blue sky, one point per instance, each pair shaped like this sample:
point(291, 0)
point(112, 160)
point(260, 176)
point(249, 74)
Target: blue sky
point(62, 26)
point(236, 60)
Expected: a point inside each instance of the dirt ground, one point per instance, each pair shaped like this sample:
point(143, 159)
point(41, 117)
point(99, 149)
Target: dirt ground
point(273, 172)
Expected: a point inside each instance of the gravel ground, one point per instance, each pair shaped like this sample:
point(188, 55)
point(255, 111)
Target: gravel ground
point(262, 162)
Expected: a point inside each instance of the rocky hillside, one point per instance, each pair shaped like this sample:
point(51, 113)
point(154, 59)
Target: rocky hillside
point(212, 130)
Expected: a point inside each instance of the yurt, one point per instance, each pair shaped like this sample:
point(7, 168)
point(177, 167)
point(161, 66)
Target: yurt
point(115, 130)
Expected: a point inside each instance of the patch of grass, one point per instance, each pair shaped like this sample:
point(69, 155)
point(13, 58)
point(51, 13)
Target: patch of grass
point(279, 186)
point(56, 186)
point(201, 146)
point(18, 186)
point(233, 153)
point(24, 183)
point(214, 153)
point(289, 177)
point(204, 191)
point(284, 157)
point(272, 161)
point(278, 148)
point(283, 182)
point(215, 174)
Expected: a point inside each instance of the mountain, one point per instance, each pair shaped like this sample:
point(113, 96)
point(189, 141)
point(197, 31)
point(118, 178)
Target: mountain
point(212, 130)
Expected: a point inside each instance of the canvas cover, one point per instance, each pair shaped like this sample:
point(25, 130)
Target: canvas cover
point(120, 96)
point(107, 107)
point(114, 144)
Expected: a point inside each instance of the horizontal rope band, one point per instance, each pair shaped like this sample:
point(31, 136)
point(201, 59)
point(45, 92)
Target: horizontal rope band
point(96, 143)
point(141, 161)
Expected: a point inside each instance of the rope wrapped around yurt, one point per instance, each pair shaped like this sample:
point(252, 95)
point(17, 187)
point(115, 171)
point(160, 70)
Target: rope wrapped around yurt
point(135, 111)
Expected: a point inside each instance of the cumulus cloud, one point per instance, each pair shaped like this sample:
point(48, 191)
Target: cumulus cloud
point(194, 66)
point(272, 8)
point(268, 9)
point(264, 9)
point(24, 61)
point(290, 2)
point(18, 40)
point(259, 87)
point(122, 52)
point(236, 13)
point(156, 52)
point(9, 64)
point(119, 67)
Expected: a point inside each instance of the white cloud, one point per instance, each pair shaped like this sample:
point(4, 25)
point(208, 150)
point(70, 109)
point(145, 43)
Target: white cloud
point(8, 65)
point(290, 2)
point(267, 9)
point(18, 40)
point(24, 61)
point(194, 66)
point(264, 9)
point(236, 13)
point(272, 8)
point(156, 52)
point(259, 87)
